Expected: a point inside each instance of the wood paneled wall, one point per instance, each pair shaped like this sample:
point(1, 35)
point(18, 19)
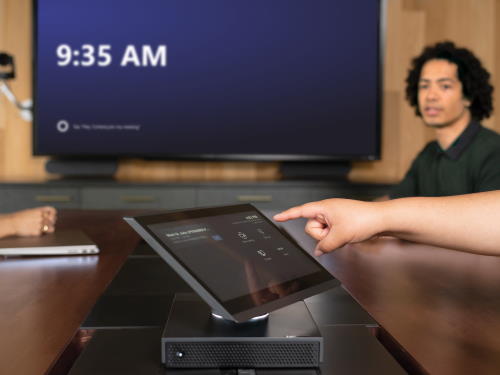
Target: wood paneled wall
point(410, 25)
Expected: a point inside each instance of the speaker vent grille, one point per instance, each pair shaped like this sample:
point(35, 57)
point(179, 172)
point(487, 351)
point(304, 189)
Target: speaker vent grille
point(251, 355)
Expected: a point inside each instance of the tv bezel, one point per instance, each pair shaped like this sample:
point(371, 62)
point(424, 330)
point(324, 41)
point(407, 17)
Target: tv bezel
point(257, 157)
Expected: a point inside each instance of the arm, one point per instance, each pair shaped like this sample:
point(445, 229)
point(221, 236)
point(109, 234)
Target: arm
point(32, 222)
point(465, 222)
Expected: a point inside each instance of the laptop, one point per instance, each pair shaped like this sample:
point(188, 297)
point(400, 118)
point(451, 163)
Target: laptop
point(63, 242)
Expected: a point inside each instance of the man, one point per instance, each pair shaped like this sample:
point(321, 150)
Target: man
point(450, 91)
point(466, 222)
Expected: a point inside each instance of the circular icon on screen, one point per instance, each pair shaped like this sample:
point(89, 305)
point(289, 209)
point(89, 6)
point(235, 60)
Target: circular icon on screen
point(62, 126)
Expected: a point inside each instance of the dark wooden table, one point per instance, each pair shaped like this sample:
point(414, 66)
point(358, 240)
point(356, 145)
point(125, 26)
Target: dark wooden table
point(439, 309)
point(44, 300)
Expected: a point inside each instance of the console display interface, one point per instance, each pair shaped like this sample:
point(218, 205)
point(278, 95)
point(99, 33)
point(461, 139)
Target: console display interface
point(238, 255)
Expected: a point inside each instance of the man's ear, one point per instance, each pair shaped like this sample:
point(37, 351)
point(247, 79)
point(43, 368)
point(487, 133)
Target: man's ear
point(467, 102)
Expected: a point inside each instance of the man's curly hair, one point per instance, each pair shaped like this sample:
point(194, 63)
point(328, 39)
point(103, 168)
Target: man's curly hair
point(475, 79)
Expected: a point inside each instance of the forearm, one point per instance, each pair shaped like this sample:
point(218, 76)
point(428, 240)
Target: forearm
point(466, 222)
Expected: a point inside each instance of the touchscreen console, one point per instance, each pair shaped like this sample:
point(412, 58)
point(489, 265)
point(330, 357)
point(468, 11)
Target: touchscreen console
point(235, 258)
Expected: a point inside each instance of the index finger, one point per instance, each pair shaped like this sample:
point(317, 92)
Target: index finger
point(291, 213)
point(308, 211)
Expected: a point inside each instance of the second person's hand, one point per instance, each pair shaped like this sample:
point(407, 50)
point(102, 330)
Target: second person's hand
point(336, 222)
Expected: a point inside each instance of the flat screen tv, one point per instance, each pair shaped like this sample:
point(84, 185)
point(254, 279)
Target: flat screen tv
point(207, 79)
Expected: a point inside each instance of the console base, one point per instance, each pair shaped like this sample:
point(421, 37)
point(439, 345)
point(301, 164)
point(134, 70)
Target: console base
point(289, 338)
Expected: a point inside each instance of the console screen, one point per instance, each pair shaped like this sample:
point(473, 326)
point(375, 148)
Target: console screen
point(236, 255)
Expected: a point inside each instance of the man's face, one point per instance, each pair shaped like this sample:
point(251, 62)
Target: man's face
point(440, 98)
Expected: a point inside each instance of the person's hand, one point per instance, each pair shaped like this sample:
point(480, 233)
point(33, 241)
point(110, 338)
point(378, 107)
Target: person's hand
point(336, 222)
point(34, 221)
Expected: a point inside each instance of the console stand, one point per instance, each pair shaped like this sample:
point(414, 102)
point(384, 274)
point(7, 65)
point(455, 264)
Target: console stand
point(251, 320)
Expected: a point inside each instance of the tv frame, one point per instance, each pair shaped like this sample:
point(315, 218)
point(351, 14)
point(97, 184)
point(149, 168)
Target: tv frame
point(382, 4)
point(321, 281)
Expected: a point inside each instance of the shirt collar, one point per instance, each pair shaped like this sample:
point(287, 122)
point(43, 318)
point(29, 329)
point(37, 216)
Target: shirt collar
point(465, 139)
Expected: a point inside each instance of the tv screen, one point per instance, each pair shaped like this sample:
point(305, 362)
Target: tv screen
point(207, 79)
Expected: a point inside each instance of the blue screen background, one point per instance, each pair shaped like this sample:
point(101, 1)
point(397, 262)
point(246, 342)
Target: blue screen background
point(276, 77)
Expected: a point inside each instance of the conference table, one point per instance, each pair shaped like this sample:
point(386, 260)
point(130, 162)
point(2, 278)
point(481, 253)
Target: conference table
point(437, 310)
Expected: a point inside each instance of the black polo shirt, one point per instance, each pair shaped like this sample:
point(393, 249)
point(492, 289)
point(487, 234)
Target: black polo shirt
point(471, 164)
